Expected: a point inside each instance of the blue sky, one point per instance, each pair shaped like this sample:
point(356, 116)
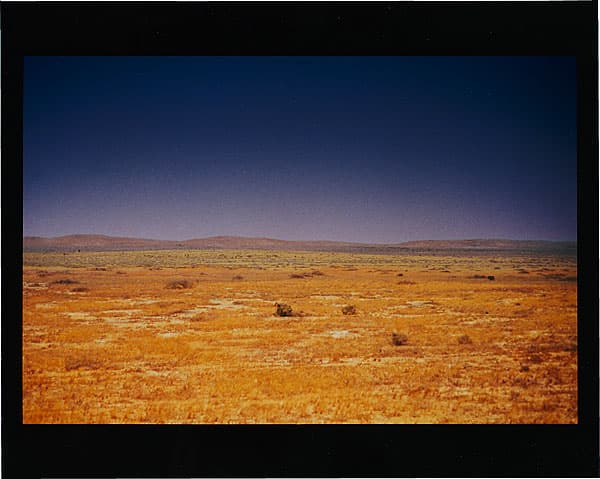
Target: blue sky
point(369, 149)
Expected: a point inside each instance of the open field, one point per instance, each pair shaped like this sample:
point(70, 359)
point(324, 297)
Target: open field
point(191, 336)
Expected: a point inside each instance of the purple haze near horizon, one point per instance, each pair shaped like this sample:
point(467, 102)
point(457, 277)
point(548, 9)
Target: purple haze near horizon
point(364, 149)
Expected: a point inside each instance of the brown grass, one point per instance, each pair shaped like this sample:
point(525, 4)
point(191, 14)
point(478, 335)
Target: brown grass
point(130, 350)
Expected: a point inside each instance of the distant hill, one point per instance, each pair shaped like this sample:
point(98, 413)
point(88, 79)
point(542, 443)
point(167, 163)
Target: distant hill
point(73, 243)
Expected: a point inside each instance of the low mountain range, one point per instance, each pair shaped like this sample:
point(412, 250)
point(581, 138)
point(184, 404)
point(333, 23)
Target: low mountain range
point(88, 242)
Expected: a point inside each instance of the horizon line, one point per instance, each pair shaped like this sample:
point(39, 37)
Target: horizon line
point(299, 240)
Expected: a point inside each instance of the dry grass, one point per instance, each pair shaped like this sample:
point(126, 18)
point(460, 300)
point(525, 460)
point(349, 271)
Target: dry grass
point(130, 350)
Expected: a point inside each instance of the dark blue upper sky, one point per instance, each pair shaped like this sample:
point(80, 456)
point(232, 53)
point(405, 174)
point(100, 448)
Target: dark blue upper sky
point(374, 149)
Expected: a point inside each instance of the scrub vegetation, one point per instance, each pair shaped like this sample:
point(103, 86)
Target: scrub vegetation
point(249, 336)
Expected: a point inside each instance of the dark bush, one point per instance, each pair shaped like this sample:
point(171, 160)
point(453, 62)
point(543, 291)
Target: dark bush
point(283, 309)
point(349, 309)
point(238, 277)
point(80, 363)
point(491, 277)
point(80, 290)
point(179, 284)
point(297, 276)
point(65, 281)
point(398, 339)
point(464, 339)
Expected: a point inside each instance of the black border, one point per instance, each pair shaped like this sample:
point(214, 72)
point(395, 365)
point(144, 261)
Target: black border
point(290, 28)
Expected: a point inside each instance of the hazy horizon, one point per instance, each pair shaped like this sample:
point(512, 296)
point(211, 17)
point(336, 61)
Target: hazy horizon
point(376, 150)
point(296, 239)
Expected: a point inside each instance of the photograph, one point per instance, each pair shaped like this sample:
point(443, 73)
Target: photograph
point(234, 240)
point(300, 239)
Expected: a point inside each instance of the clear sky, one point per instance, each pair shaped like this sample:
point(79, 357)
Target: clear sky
point(368, 149)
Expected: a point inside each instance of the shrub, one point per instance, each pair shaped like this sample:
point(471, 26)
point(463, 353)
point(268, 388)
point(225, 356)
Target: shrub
point(238, 277)
point(78, 363)
point(464, 339)
point(283, 309)
point(297, 276)
point(349, 309)
point(65, 281)
point(80, 290)
point(179, 284)
point(491, 277)
point(398, 339)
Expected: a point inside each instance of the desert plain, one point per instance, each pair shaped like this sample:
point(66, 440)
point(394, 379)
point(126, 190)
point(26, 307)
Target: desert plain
point(193, 337)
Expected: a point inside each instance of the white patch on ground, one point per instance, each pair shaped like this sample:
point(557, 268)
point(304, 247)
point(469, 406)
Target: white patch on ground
point(126, 312)
point(225, 303)
point(251, 294)
point(419, 304)
point(351, 361)
point(511, 301)
point(190, 313)
point(122, 322)
point(141, 301)
point(46, 305)
point(326, 297)
point(36, 285)
point(169, 334)
point(340, 333)
point(38, 345)
point(78, 315)
point(391, 314)
point(248, 331)
point(487, 320)
point(151, 372)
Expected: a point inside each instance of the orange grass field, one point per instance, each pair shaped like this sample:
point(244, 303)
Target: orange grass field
point(105, 340)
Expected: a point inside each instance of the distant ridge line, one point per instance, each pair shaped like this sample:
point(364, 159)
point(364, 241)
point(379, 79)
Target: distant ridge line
point(93, 242)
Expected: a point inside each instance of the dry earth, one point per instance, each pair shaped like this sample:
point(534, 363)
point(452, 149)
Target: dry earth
point(105, 340)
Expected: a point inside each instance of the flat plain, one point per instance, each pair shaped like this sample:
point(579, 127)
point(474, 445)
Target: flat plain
point(192, 336)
